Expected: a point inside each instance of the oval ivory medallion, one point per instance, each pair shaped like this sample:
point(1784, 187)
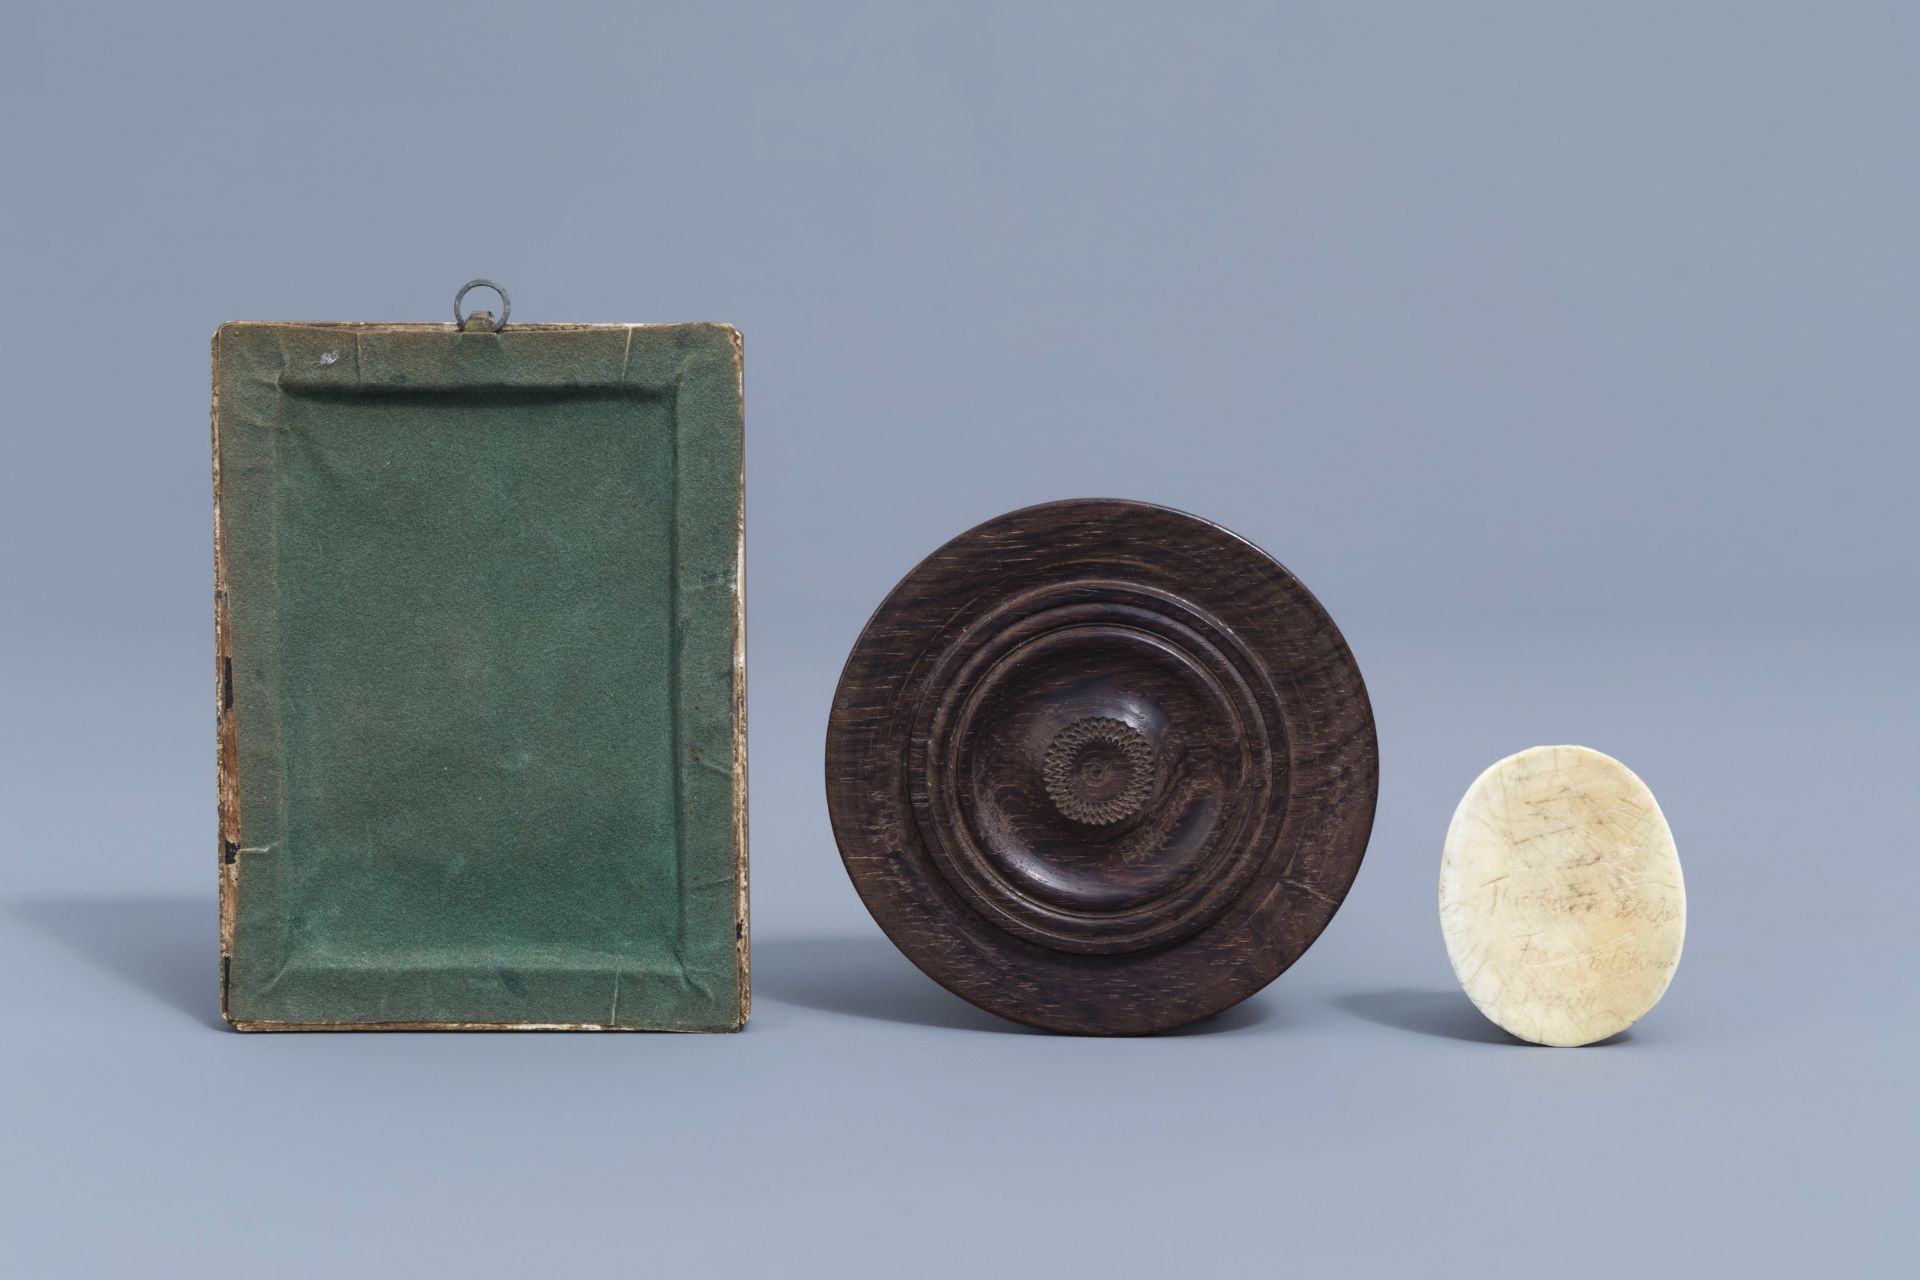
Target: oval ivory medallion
point(1560, 896)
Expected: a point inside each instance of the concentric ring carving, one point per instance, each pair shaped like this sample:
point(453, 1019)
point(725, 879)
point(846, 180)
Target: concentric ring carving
point(1100, 766)
point(1147, 856)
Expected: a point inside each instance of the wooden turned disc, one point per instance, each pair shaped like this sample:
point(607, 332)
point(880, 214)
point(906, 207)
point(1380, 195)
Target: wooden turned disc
point(1561, 897)
point(1099, 766)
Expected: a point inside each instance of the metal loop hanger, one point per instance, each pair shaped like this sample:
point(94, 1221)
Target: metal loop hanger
point(506, 304)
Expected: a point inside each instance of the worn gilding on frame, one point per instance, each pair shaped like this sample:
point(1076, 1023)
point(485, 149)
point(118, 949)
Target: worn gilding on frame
point(480, 626)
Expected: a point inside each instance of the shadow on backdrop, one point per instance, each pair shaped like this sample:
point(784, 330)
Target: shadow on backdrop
point(166, 947)
point(1446, 1014)
point(868, 978)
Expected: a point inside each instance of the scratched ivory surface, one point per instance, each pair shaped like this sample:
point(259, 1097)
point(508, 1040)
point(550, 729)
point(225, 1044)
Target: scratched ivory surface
point(1561, 897)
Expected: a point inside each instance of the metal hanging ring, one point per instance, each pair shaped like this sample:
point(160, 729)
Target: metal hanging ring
point(506, 304)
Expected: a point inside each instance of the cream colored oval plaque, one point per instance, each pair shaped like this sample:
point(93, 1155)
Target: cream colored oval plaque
point(1560, 896)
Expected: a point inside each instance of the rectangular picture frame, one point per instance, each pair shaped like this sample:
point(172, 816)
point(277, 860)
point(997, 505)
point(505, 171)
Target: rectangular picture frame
point(480, 661)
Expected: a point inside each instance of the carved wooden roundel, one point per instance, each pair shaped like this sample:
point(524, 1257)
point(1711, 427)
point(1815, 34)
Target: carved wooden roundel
point(1100, 766)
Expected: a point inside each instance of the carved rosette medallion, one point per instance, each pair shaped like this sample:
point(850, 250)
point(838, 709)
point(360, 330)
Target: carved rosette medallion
point(1101, 766)
point(1099, 771)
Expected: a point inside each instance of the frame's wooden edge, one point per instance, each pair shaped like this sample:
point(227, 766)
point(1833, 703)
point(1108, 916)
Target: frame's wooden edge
point(386, 326)
point(743, 942)
point(226, 742)
point(260, 1026)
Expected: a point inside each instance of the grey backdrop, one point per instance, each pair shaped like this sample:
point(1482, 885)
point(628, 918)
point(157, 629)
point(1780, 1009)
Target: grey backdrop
point(1566, 352)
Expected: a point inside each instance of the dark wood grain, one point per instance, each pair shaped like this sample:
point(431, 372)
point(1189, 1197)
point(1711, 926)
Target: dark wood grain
point(1100, 766)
